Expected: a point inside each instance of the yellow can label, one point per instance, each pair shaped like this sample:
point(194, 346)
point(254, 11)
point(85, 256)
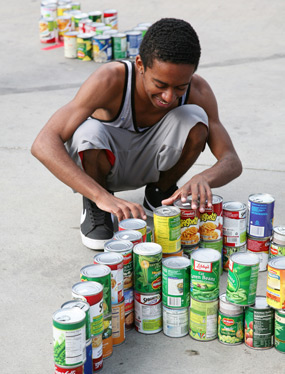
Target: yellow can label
point(275, 293)
point(167, 233)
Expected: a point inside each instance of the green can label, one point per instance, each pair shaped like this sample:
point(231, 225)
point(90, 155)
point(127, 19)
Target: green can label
point(176, 287)
point(203, 320)
point(242, 283)
point(280, 331)
point(258, 327)
point(217, 245)
point(205, 280)
point(276, 250)
point(107, 332)
point(147, 273)
point(230, 329)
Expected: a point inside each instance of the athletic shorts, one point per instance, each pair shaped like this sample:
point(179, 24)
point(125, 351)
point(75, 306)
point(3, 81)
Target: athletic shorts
point(139, 157)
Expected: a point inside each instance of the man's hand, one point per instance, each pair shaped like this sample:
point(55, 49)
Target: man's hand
point(198, 187)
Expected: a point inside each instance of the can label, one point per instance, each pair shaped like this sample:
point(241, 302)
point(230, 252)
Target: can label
point(97, 353)
point(88, 367)
point(263, 259)
point(211, 222)
point(148, 313)
point(84, 49)
point(47, 28)
point(119, 47)
point(111, 19)
point(167, 232)
point(230, 329)
point(218, 246)
point(64, 25)
point(276, 250)
point(234, 227)
point(133, 44)
point(259, 327)
point(242, 283)
point(280, 331)
point(203, 320)
point(147, 273)
point(260, 219)
point(205, 280)
point(102, 49)
point(118, 323)
point(73, 370)
point(227, 252)
point(190, 220)
point(275, 292)
point(175, 322)
point(176, 287)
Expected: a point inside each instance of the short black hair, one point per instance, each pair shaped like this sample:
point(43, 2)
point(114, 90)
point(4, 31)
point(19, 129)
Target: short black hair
point(170, 40)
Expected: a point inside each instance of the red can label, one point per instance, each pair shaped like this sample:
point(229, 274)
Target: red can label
point(61, 370)
point(190, 234)
point(211, 221)
point(254, 245)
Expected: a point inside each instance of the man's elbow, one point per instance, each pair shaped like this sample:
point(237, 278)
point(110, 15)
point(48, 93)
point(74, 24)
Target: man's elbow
point(238, 167)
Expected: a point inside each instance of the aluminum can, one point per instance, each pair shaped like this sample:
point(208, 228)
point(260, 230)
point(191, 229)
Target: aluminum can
point(118, 323)
point(77, 17)
point(97, 353)
point(211, 221)
point(129, 309)
point(279, 235)
point(70, 44)
point(107, 336)
point(134, 39)
point(260, 215)
point(275, 292)
point(84, 46)
point(230, 328)
point(47, 28)
point(174, 254)
point(175, 322)
point(92, 27)
point(234, 223)
point(134, 224)
point(216, 245)
point(142, 29)
point(276, 250)
point(69, 370)
point(119, 45)
point(149, 235)
point(49, 9)
point(187, 251)
point(111, 18)
point(148, 313)
point(88, 365)
point(280, 330)
point(64, 25)
point(83, 305)
point(96, 16)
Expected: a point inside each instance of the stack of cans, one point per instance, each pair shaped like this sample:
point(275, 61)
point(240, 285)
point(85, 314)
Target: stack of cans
point(277, 244)
point(259, 226)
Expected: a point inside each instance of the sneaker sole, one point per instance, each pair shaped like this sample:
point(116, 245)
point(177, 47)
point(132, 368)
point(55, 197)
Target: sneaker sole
point(95, 244)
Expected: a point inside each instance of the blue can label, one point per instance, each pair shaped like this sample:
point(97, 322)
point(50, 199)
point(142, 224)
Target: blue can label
point(88, 367)
point(260, 219)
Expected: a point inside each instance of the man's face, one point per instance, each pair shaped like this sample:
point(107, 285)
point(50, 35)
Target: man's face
point(166, 82)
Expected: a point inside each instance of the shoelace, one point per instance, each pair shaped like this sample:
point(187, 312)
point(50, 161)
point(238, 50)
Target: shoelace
point(97, 216)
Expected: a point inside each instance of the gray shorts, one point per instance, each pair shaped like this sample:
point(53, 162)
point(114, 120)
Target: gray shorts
point(139, 157)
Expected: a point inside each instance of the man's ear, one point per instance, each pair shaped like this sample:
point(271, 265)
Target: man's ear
point(139, 64)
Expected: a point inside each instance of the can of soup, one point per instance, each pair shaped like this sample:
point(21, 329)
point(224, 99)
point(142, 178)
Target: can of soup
point(211, 221)
point(260, 215)
point(134, 39)
point(47, 28)
point(275, 293)
point(84, 46)
point(234, 223)
point(102, 48)
point(111, 18)
point(203, 320)
point(175, 322)
point(148, 313)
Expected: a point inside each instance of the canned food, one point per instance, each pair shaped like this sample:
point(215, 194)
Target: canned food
point(82, 25)
point(147, 267)
point(97, 353)
point(69, 338)
point(64, 25)
point(228, 251)
point(280, 330)
point(84, 46)
point(234, 223)
point(259, 246)
point(92, 27)
point(100, 30)
point(70, 44)
point(96, 16)
point(279, 235)
point(88, 365)
point(129, 299)
point(133, 236)
point(276, 250)
point(111, 18)
point(107, 336)
point(259, 324)
point(92, 293)
point(230, 328)
point(142, 29)
point(48, 9)
point(167, 230)
point(118, 323)
point(47, 30)
point(211, 221)
point(205, 274)
point(75, 5)
point(83, 305)
point(134, 39)
point(228, 308)
point(260, 215)
point(242, 278)
point(62, 7)
point(77, 17)
point(275, 294)
point(119, 45)
point(125, 248)
point(190, 221)
point(175, 322)
point(217, 245)
point(134, 224)
point(148, 313)
point(263, 259)
point(115, 262)
point(68, 370)
point(129, 320)
point(203, 321)
point(176, 282)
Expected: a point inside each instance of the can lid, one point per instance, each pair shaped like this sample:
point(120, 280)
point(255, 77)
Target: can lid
point(102, 36)
point(108, 258)
point(245, 258)
point(132, 224)
point(110, 32)
point(279, 232)
point(87, 288)
point(184, 205)
point(133, 32)
point(277, 262)
point(260, 303)
point(95, 270)
point(76, 303)
point(119, 35)
point(263, 198)
point(226, 307)
point(206, 255)
point(233, 205)
point(69, 316)
point(121, 246)
point(147, 248)
point(85, 35)
point(167, 211)
point(71, 33)
point(176, 262)
point(128, 235)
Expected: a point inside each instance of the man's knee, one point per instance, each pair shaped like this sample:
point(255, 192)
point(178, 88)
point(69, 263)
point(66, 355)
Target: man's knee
point(198, 136)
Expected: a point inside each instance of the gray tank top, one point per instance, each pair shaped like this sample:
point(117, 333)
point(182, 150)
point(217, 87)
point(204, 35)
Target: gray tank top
point(125, 118)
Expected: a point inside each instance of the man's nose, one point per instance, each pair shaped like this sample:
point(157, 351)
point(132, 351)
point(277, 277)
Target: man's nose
point(168, 95)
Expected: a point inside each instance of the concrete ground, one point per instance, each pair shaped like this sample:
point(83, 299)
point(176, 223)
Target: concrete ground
point(41, 252)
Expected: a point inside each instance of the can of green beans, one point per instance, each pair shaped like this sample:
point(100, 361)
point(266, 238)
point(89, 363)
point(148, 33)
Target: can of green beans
point(280, 330)
point(203, 320)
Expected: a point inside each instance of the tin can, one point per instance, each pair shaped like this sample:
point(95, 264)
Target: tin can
point(205, 274)
point(82, 25)
point(216, 245)
point(88, 365)
point(148, 313)
point(119, 45)
point(175, 322)
point(280, 330)
point(96, 16)
point(92, 293)
point(258, 244)
point(275, 293)
point(187, 251)
point(84, 47)
point(149, 236)
point(118, 323)
point(83, 305)
point(78, 17)
point(64, 25)
point(97, 353)
point(190, 222)
point(203, 320)
point(260, 215)
point(134, 39)
point(72, 14)
point(175, 254)
point(230, 328)
point(133, 236)
point(102, 275)
point(129, 309)
point(49, 9)
point(63, 6)
point(147, 267)
point(70, 44)
point(125, 248)
point(69, 370)
point(279, 235)
point(47, 28)
point(69, 338)
point(228, 251)
point(242, 278)
point(115, 262)
point(228, 308)
point(111, 18)
point(211, 221)
point(176, 282)
point(259, 324)
point(142, 29)
point(234, 223)
point(276, 250)
point(167, 230)
point(134, 224)
point(107, 336)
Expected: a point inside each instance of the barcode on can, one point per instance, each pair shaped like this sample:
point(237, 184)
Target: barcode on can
point(256, 231)
point(173, 301)
point(231, 240)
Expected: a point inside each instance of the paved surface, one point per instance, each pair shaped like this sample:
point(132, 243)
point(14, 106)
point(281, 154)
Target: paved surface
point(41, 252)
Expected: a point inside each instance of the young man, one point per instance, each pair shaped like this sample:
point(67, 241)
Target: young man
point(139, 124)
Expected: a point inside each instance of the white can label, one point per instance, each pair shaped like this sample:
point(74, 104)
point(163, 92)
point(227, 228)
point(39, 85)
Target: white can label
point(73, 346)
